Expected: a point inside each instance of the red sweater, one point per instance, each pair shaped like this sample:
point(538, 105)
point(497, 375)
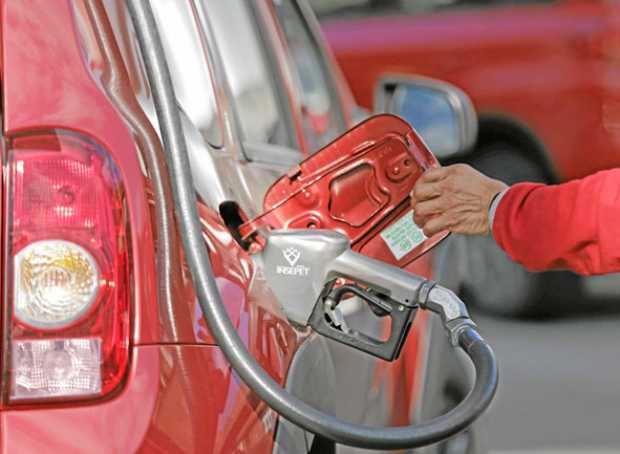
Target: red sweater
point(575, 225)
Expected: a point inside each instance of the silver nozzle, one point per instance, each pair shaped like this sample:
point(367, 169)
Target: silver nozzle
point(448, 306)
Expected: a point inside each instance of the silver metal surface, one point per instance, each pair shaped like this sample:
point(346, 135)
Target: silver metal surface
point(392, 281)
point(451, 309)
point(444, 302)
point(391, 93)
point(299, 263)
point(295, 265)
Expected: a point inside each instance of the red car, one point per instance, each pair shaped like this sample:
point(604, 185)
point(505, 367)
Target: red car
point(543, 75)
point(104, 345)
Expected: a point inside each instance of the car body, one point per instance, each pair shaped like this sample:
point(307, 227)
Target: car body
point(78, 114)
point(543, 76)
point(533, 67)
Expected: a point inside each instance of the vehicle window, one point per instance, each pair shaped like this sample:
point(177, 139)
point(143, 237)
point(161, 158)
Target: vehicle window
point(371, 7)
point(258, 107)
point(188, 68)
point(319, 115)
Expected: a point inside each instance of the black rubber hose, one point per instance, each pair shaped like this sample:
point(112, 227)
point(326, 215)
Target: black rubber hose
point(217, 318)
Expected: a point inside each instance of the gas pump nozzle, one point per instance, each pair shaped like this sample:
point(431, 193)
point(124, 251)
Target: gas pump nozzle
point(311, 271)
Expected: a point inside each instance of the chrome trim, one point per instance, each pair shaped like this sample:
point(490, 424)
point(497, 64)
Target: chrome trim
point(458, 99)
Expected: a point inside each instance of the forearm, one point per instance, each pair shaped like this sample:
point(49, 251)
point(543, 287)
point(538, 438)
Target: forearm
point(569, 226)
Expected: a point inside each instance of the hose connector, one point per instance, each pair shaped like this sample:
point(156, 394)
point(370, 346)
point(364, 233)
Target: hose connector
point(448, 306)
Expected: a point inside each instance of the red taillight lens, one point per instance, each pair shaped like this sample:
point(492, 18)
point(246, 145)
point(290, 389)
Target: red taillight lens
point(67, 318)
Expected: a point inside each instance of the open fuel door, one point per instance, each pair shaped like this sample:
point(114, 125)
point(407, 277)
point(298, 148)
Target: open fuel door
point(358, 185)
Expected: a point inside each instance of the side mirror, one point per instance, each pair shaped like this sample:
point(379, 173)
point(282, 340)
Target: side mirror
point(441, 113)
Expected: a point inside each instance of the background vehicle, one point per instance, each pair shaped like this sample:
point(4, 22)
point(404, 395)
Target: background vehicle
point(530, 67)
point(134, 368)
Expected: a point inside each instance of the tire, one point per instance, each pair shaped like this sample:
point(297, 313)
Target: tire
point(493, 282)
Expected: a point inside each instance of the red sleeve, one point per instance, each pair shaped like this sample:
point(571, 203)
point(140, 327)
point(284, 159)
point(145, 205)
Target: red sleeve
point(575, 225)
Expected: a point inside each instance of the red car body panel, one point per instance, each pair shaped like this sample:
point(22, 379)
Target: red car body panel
point(47, 85)
point(551, 68)
point(179, 394)
point(177, 399)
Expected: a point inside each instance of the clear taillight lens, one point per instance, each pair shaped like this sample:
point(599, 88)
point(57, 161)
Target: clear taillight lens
point(55, 283)
point(56, 368)
point(67, 316)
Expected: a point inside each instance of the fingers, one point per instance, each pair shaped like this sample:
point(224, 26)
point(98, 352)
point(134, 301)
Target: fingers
point(436, 224)
point(433, 215)
point(436, 205)
point(454, 198)
point(434, 174)
point(429, 185)
point(425, 191)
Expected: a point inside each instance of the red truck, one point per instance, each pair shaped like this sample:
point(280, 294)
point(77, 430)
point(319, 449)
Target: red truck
point(543, 76)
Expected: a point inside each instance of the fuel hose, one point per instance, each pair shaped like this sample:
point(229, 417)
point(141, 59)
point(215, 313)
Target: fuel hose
point(220, 325)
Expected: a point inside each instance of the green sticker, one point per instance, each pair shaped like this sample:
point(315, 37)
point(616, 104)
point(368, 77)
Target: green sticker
point(403, 236)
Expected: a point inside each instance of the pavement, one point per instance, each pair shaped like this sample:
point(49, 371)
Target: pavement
point(562, 451)
point(560, 383)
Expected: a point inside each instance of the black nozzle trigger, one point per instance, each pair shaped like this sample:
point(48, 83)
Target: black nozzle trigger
point(327, 320)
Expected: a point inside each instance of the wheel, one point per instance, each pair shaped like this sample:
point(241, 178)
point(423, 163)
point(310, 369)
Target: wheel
point(492, 281)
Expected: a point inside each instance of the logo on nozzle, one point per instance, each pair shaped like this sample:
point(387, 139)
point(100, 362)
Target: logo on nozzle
point(292, 256)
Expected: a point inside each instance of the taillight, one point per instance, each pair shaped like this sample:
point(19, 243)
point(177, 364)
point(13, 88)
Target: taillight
point(67, 314)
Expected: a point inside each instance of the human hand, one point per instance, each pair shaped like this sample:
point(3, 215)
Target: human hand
point(454, 198)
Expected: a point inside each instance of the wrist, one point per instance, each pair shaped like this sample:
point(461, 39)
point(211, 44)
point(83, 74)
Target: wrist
point(495, 201)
